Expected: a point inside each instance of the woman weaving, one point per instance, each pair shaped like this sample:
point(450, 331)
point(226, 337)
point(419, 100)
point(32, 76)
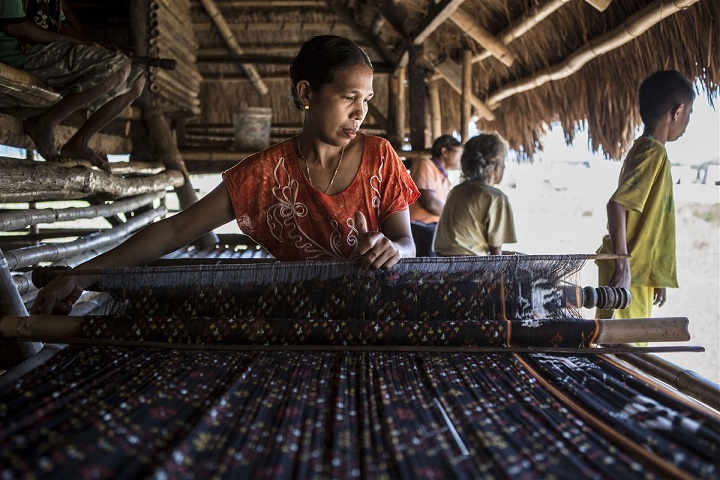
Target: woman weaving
point(328, 194)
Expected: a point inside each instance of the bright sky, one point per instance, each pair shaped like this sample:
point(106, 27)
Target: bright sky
point(699, 144)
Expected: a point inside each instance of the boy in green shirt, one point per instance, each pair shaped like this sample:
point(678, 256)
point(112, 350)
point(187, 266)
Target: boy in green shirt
point(641, 212)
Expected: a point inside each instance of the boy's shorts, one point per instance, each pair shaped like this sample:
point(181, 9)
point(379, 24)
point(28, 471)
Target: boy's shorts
point(72, 68)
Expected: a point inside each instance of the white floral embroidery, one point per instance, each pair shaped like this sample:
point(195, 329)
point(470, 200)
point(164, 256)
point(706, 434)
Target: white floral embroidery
point(283, 219)
point(377, 179)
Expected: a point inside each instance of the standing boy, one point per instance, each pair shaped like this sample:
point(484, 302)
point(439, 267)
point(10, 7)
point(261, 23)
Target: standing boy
point(641, 212)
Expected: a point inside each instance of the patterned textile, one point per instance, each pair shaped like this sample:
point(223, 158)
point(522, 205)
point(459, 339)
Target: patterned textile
point(459, 288)
point(273, 201)
point(108, 412)
point(567, 332)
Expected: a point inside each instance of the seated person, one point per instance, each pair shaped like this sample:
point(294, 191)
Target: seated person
point(35, 37)
point(430, 176)
point(477, 218)
point(330, 193)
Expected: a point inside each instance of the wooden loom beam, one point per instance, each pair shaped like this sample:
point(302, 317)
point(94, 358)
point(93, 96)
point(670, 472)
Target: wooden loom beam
point(48, 327)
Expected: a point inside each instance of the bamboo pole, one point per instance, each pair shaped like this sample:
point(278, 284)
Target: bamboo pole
point(435, 112)
point(525, 24)
point(51, 252)
point(683, 380)
point(671, 329)
point(466, 94)
point(437, 16)
point(227, 34)
point(15, 220)
point(400, 103)
point(463, 19)
point(630, 29)
point(11, 304)
point(450, 71)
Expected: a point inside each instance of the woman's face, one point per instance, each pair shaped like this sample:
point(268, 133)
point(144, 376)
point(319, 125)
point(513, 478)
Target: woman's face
point(338, 109)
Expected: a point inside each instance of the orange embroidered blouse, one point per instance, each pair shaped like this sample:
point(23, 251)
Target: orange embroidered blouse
point(277, 207)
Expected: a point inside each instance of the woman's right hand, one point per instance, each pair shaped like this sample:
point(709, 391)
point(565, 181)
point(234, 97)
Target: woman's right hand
point(58, 296)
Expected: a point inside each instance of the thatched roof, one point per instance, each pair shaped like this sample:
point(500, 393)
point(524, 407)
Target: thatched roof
point(596, 63)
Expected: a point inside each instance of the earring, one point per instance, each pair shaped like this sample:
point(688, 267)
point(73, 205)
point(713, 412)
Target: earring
point(307, 107)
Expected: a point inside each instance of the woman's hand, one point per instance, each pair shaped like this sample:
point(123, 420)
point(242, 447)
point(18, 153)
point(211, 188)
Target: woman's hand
point(58, 296)
point(377, 251)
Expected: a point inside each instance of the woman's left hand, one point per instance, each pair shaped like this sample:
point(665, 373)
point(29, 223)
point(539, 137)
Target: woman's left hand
point(377, 251)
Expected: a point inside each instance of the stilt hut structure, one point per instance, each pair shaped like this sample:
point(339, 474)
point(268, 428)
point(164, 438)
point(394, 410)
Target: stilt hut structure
point(217, 362)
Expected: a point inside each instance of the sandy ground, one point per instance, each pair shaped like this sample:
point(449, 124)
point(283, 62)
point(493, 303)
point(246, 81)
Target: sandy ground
point(560, 209)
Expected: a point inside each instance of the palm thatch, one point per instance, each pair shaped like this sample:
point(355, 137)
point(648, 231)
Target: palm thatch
point(552, 61)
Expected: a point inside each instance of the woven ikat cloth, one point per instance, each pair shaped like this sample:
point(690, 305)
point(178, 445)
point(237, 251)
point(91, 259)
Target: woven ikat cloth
point(111, 412)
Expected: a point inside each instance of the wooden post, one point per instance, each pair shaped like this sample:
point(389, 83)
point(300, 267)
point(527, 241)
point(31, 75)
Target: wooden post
point(401, 103)
point(435, 113)
point(418, 93)
point(466, 93)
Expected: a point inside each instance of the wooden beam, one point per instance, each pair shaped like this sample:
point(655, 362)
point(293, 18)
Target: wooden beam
point(524, 24)
point(227, 34)
point(378, 116)
point(600, 5)
point(13, 134)
point(253, 50)
point(399, 91)
point(463, 19)
point(418, 94)
point(435, 17)
point(395, 15)
point(230, 78)
point(338, 28)
point(450, 71)
point(435, 111)
point(245, 58)
point(346, 15)
point(274, 4)
point(627, 31)
point(379, 67)
point(466, 94)
point(24, 181)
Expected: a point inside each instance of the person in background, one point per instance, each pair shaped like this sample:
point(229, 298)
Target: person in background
point(330, 193)
point(641, 211)
point(431, 177)
point(34, 36)
point(477, 218)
